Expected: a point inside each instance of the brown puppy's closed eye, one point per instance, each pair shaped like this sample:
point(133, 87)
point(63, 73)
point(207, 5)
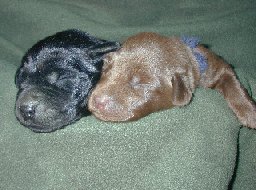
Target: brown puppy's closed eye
point(152, 72)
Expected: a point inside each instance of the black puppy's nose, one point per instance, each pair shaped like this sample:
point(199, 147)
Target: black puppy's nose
point(27, 112)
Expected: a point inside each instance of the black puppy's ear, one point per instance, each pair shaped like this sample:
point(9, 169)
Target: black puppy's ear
point(181, 94)
point(103, 48)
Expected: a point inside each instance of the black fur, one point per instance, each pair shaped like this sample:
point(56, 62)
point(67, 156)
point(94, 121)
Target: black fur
point(56, 77)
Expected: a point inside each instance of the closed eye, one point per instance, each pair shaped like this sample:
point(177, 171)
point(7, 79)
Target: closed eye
point(140, 81)
point(135, 81)
point(52, 77)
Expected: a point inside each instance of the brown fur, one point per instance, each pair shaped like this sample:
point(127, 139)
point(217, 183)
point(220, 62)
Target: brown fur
point(152, 72)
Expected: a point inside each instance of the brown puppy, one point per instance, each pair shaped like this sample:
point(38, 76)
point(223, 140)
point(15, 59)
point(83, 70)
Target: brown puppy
point(152, 72)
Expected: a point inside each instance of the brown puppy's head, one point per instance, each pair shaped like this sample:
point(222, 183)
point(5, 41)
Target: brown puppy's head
point(140, 79)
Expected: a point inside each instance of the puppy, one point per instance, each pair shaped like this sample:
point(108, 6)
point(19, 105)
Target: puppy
point(152, 72)
point(55, 78)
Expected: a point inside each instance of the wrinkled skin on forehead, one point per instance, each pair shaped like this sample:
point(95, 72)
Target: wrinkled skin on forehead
point(56, 77)
point(138, 79)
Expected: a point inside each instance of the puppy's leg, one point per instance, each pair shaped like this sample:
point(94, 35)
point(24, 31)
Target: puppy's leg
point(220, 76)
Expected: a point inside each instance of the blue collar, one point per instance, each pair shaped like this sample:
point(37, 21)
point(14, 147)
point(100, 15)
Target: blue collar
point(193, 42)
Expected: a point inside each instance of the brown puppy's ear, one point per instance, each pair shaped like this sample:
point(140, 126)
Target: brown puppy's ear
point(181, 94)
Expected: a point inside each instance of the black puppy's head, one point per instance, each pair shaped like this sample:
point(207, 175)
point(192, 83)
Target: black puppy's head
point(55, 78)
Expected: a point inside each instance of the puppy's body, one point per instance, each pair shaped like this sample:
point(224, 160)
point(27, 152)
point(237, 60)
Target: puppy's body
point(152, 72)
point(56, 77)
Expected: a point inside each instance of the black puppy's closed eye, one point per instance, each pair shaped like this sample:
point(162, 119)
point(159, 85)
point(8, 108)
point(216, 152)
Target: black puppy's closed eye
point(52, 77)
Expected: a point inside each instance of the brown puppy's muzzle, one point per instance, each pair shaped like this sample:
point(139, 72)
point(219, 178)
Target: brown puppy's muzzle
point(106, 105)
point(106, 108)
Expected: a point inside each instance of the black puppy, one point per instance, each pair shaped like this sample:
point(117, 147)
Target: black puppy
point(55, 78)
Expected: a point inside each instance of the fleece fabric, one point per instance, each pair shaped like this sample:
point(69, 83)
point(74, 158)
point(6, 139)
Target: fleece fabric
point(197, 147)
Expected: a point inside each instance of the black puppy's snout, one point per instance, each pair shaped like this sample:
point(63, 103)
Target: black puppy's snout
point(28, 111)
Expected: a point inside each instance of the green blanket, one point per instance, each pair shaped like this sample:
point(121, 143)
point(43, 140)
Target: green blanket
point(200, 146)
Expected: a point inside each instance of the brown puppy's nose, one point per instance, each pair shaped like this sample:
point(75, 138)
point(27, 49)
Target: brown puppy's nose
point(101, 102)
